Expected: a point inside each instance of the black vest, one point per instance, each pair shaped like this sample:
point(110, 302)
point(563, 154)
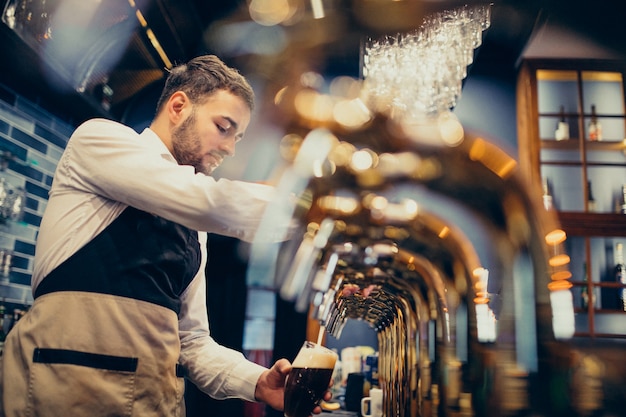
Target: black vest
point(139, 255)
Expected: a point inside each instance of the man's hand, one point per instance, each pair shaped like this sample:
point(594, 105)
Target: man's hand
point(270, 388)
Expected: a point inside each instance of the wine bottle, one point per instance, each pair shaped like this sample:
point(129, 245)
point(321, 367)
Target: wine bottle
point(622, 204)
point(591, 202)
point(584, 292)
point(585, 296)
point(562, 128)
point(547, 195)
point(595, 128)
point(620, 274)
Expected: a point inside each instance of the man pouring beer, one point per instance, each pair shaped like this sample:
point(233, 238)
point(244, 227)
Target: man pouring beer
point(119, 318)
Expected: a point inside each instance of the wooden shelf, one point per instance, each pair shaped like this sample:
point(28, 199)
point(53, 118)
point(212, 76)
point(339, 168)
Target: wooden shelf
point(593, 224)
point(572, 85)
point(574, 145)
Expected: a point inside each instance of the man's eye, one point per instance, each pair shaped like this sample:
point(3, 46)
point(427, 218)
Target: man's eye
point(221, 128)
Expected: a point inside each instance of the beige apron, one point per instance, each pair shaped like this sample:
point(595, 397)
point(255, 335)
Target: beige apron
point(109, 356)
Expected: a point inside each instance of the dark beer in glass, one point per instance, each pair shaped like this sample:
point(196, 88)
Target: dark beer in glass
point(309, 379)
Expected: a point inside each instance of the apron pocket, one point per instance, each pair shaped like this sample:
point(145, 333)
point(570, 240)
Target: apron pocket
point(72, 383)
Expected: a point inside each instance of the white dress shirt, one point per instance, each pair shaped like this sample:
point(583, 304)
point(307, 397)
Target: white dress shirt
point(106, 167)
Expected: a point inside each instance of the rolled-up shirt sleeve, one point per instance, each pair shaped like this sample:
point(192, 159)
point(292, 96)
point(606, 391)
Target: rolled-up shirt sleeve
point(216, 370)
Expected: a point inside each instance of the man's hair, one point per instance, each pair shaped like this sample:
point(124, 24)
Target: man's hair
point(203, 76)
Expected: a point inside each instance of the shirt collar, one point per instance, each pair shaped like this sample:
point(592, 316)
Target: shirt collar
point(154, 141)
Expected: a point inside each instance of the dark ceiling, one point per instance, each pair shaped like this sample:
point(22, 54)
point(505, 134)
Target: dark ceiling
point(119, 52)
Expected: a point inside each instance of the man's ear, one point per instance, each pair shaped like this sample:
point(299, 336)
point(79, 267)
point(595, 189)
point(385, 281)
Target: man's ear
point(177, 106)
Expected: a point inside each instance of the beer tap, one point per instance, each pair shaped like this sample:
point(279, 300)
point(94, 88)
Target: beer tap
point(408, 204)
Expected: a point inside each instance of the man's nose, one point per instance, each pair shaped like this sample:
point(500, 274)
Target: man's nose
point(228, 147)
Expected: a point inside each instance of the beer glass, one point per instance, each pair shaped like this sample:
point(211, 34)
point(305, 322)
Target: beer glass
point(309, 379)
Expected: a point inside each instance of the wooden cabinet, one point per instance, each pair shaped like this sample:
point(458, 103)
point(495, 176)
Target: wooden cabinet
point(557, 101)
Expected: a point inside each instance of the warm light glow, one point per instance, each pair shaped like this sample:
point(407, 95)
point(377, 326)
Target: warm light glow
point(559, 285)
point(481, 276)
point(559, 260)
point(398, 164)
point(346, 87)
point(339, 205)
point(492, 157)
point(478, 272)
point(278, 98)
point(141, 19)
point(561, 275)
point(289, 146)
point(322, 168)
point(341, 154)
point(555, 237)
point(450, 128)
point(270, 12)
point(444, 232)
point(314, 106)
point(362, 160)
point(158, 48)
point(411, 209)
point(378, 203)
point(314, 150)
point(311, 79)
point(381, 209)
point(351, 113)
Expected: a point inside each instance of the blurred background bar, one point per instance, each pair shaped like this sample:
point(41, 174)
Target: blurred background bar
point(459, 169)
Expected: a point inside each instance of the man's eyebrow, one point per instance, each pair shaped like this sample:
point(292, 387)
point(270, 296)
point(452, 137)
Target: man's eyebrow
point(233, 123)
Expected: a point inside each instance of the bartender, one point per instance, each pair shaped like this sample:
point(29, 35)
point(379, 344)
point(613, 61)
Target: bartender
point(119, 316)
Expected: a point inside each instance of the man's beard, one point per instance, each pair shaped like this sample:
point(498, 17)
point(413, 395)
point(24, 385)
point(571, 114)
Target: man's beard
point(186, 146)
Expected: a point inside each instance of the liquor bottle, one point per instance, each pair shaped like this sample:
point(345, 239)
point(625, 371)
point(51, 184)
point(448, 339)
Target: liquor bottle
point(620, 274)
point(7, 321)
point(591, 202)
point(562, 128)
point(622, 203)
point(595, 128)
point(584, 293)
point(547, 195)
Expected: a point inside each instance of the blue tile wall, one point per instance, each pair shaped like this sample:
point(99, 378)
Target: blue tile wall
point(36, 138)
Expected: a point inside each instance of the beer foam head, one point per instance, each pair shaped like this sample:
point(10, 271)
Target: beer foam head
point(315, 357)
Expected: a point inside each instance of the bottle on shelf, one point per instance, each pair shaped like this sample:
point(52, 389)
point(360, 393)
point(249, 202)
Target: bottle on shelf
point(547, 195)
point(620, 274)
point(6, 256)
point(622, 201)
point(562, 128)
point(595, 128)
point(592, 206)
point(7, 319)
point(584, 291)
point(586, 299)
